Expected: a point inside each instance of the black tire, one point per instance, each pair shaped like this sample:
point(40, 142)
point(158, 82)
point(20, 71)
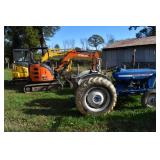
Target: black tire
point(27, 89)
point(149, 99)
point(96, 95)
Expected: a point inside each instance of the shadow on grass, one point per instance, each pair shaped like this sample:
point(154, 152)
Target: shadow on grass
point(129, 102)
point(65, 91)
point(139, 122)
point(17, 86)
point(128, 98)
point(52, 106)
point(58, 108)
point(130, 119)
point(131, 116)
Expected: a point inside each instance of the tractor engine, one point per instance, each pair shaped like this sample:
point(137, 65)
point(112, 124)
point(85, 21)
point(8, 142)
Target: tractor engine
point(129, 81)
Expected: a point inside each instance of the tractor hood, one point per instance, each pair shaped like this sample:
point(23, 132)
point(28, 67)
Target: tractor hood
point(128, 74)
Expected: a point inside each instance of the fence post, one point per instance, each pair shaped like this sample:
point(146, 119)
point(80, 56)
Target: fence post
point(7, 61)
point(77, 68)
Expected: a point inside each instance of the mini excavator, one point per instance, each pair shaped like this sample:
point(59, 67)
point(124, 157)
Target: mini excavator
point(43, 77)
point(22, 58)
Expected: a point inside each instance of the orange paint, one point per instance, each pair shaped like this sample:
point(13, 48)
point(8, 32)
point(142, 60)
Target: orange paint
point(40, 73)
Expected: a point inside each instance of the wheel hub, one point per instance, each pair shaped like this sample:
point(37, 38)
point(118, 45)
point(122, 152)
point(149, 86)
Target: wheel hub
point(27, 89)
point(152, 101)
point(96, 98)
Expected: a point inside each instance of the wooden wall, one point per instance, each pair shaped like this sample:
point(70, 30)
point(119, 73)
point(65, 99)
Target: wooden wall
point(120, 56)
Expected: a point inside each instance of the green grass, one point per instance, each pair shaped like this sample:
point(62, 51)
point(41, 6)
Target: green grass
point(7, 74)
point(56, 111)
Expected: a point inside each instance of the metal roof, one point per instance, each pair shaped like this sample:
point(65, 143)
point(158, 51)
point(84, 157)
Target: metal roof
point(132, 42)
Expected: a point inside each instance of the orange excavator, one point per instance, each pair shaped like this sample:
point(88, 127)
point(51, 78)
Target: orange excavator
point(43, 77)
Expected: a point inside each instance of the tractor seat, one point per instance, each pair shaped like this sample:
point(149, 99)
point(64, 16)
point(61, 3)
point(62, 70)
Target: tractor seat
point(128, 74)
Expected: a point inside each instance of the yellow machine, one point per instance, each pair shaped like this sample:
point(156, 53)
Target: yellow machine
point(19, 72)
point(20, 64)
point(51, 53)
point(23, 57)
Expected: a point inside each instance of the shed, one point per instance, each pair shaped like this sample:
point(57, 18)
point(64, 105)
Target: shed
point(137, 53)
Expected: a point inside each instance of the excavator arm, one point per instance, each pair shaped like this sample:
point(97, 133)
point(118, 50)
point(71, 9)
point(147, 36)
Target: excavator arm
point(51, 53)
point(73, 54)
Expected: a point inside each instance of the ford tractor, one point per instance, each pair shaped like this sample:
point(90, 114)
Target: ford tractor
point(97, 94)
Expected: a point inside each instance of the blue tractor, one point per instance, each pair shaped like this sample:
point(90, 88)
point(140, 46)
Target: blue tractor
point(98, 94)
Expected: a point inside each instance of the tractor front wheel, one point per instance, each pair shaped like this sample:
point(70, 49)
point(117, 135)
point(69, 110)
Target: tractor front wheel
point(149, 99)
point(96, 95)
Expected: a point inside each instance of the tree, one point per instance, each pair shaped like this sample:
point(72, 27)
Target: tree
point(110, 39)
point(77, 48)
point(95, 41)
point(72, 43)
point(26, 37)
point(19, 37)
point(7, 43)
point(146, 31)
point(7, 51)
point(67, 44)
point(45, 32)
point(84, 43)
point(57, 46)
point(30, 37)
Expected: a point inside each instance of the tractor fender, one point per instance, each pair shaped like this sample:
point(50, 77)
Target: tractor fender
point(152, 82)
point(88, 74)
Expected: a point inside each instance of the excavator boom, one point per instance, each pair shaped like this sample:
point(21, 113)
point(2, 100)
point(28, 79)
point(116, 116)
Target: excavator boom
point(51, 53)
point(73, 54)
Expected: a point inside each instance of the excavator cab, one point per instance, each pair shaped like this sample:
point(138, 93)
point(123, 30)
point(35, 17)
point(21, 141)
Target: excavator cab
point(21, 59)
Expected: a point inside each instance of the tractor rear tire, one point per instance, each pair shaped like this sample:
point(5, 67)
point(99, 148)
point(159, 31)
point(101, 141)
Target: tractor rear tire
point(96, 95)
point(149, 99)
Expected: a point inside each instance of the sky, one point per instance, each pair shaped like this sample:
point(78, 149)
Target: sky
point(84, 32)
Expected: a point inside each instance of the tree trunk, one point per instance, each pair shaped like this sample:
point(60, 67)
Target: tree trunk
point(41, 38)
